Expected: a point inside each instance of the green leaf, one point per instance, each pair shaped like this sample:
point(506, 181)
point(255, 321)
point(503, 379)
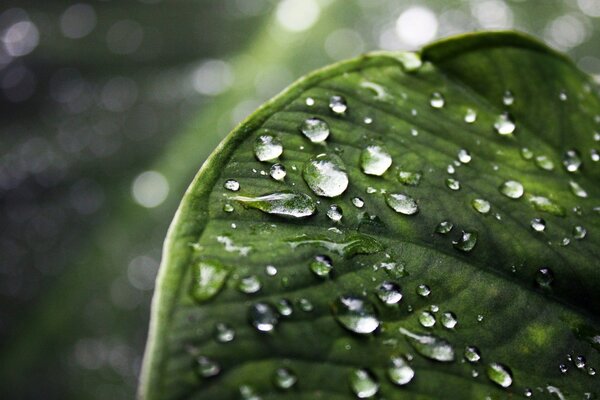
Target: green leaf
point(467, 268)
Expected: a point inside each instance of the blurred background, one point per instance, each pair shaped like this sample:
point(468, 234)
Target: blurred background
point(107, 110)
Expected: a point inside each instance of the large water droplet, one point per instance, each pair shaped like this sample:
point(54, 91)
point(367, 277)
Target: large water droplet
point(402, 203)
point(409, 178)
point(337, 104)
point(267, 147)
point(326, 175)
point(482, 206)
point(375, 160)
point(315, 129)
point(288, 204)
point(356, 314)
point(263, 317)
point(399, 372)
point(321, 266)
point(363, 383)
point(504, 125)
point(430, 346)
point(466, 242)
point(389, 292)
point(277, 172)
point(571, 160)
point(209, 277)
point(437, 100)
point(512, 189)
point(499, 374)
point(284, 378)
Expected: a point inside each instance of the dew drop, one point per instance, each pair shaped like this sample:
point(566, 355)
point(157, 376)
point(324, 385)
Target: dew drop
point(263, 317)
point(228, 208)
point(544, 204)
point(224, 333)
point(310, 101)
point(430, 346)
point(481, 206)
point(512, 189)
point(449, 320)
point(499, 374)
point(452, 184)
point(232, 185)
point(464, 156)
point(595, 155)
point(284, 307)
point(466, 242)
point(423, 290)
point(209, 278)
point(399, 372)
point(579, 232)
point(402, 203)
point(267, 148)
point(289, 204)
point(338, 105)
point(508, 98)
point(321, 266)
point(355, 313)
point(437, 100)
point(358, 202)
point(409, 178)
point(363, 383)
point(315, 129)
point(580, 362)
point(444, 227)
point(284, 378)
point(326, 175)
point(470, 116)
point(375, 160)
point(504, 125)
point(538, 224)
point(206, 367)
point(544, 162)
point(249, 284)
point(577, 190)
point(389, 292)
point(335, 213)
point(305, 304)
point(277, 172)
point(526, 153)
point(544, 277)
point(472, 354)
point(426, 319)
point(571, 160)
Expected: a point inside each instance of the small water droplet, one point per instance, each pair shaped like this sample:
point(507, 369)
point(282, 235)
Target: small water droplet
point(206, 367)
point(310, 101)
point(368, 120)
point(267, 147)
point(402, 203)
point(358, 202)
point(563, 368)
point(571, 160)
point(579, 362)
point(504, 125)
point(335, 213)
point(508, 98)
point(315, 129)
point(284, 307)
point(449, 320)
point(289, 204)
point(305, 304)
point(284, 378)
point(464, 156)
point(528, 392)
point(512, 189)
point(452, 184)
point(526, 153)
point(389, 292)
point(326, 175)
point(538, 224)
point(437, 100)
point(481, 206)
point(579, 232)
point(263, 317)
point(430, 346)
point(562, 96)
point(249, 284)
point(472, 354)
point(577, 190)
point(356, 314)
point(423, 290)
point(499, 374)
point(228, 208)
point(426, 319)
point(444, 227)
point(248, 393)
point(399, 372)
point(232, 185)
point(375, 160)
point(337, 104)
point(544, 277)
point(544, 162)
point(363, 383)
point(271, 270)
point(466, 242)
point(470, 116)
point(409, 178)
point(277, 172)
point(224, 333)
point(321, 266)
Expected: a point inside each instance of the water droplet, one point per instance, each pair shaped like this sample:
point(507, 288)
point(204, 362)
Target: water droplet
point(409, 178)
point(399, 372)
point(470, 116)
point(430, 346)
point(528, 392)
point(580, 362)
point(232, 184)
point(538, 224)
point(358, 202)
point(466, 242)
point(389, 292)
point(452, 184)
point(375, 160)
point(335, 213)
point(437, 100)
point(482, 206)
point(479, 318)
point(544, 204)
point(544, 277)
point(305, 304)
point(337, 104)
point(315, 129)
point(563, 368)
point(571, 160)
point(464, 156)
point(267, 148)
point(356, 314)
point(363, 383)
point(321, 266)
point(472, 354)
point(271, 270)
point(402, 203)
point(504, 125)
point(544, 162)
point(290, 204)
point(444, 227)
point(209, 278)
point(224, 333)
point(526, 153)
point(368, 120)
point(591, 371)
point(499, 374)
point(449, 320)
point(249, 284)
point(310, 101)
point(248, 393)
point(423, 290)
point(512, 189)
point(562, 95)
point(263, 317)
point(577, 190)
point(228, 208)
point(277, 172)
point(206, 367)
point(326, 175)
point(579, 232)
point(508, 98)
point(594, 155)
point(284, 378)
point(427, 319)
point(348, 246)
point(284, 307)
